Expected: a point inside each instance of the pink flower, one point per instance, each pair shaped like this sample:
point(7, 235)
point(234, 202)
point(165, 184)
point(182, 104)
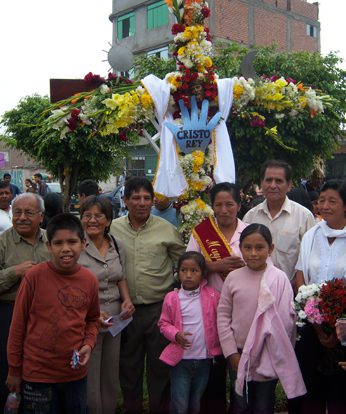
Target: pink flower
point(312, 311)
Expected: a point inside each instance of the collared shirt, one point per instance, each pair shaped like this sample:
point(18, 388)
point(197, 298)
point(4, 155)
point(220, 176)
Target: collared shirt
point(287, 229)
point(108, 270)
point(14, 250)
point(150, 253)
point(5, 220)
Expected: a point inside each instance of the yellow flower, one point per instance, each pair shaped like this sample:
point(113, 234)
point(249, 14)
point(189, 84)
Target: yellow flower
point(238, 90)
point(302, 101)
point(208, 62)
point(198, 160)
point(281, 83)
point(201, 204)
point(146, 100)
point(181, 50)
point(272, 131)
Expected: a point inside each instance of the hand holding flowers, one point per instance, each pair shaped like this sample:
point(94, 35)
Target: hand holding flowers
point(322, 304)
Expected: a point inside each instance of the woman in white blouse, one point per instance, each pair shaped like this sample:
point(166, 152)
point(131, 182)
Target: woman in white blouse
point(323, 257)
point(323, 248)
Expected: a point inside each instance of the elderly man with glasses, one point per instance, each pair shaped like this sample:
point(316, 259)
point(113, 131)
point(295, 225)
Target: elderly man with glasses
point(21, 247)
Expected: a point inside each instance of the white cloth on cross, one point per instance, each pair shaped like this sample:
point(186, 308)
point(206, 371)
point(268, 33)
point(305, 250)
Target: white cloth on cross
point(169, 178)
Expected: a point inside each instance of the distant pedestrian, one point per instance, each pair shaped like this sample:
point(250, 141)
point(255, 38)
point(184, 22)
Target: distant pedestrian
point(163, 208)
point(122, 178)
point(87, 188)
point(53, 205)
point(13, 187)
point(42, 187)
point(5, 206)
point(30, 186)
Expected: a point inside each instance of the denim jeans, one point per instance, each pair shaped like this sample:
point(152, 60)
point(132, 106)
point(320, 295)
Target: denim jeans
point(258, 397)
point(189, 379)
point(55, 398)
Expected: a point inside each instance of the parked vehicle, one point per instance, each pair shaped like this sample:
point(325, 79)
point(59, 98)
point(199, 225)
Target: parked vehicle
point(53, 188)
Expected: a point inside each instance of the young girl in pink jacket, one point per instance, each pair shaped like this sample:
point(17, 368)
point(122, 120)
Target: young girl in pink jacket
point(256, 325)
point(188, 320)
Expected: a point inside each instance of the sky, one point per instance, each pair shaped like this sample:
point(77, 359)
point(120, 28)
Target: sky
point(44, 39)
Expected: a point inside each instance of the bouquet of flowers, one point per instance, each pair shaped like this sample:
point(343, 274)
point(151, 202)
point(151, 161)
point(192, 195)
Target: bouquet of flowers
point(321, 304)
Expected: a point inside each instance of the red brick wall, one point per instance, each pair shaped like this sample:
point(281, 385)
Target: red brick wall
point(280, 4)
point(305, 9)
point(270, 25)
point(231, 20)
point(270, 28)
point(300, 40)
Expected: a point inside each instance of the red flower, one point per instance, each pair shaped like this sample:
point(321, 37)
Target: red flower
point(93, 80)
point(205, 11)
point(72, 123)
point(122, 137)
point(256, 121)
point(176, 115)
point(74, 113)
point(177, 28)
point(333, 301)
point(290, 80)
point(112, 76)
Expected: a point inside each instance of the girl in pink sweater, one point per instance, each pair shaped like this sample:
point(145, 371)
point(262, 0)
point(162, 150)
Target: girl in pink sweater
point(256, 325)
point(188, 320)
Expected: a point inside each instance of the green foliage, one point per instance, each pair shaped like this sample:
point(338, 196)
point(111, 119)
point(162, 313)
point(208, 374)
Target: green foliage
point(144, 66)
point(75, 157)
point(312, 137)
point(19, 124)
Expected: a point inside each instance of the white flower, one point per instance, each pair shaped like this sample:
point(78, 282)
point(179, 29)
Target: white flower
point(104, 89)
point(301, 314)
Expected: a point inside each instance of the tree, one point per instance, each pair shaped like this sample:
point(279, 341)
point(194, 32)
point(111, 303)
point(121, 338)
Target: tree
point(74, 157)
point(310, 136)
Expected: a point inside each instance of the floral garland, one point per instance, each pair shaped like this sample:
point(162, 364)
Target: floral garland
point(117, 107)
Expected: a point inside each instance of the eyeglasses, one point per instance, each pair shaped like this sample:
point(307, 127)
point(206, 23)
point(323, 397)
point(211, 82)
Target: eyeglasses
point(27, 213)
point(97, 216)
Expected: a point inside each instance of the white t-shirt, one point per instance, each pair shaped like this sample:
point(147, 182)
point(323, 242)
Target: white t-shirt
point(5, 220)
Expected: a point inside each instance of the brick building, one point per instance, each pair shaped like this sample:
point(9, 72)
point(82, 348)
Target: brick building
point(144, 26)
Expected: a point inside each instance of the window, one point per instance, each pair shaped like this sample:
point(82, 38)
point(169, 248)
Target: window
point(160, 53)
point(136, 167)
point(157, 15)
point(311, 30)
point(126, 25)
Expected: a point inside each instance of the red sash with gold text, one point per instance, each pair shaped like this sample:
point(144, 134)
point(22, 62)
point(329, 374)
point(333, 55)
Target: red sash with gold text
point(212, 242)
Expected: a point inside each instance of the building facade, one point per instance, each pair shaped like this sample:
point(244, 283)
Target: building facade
point(144, 26)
